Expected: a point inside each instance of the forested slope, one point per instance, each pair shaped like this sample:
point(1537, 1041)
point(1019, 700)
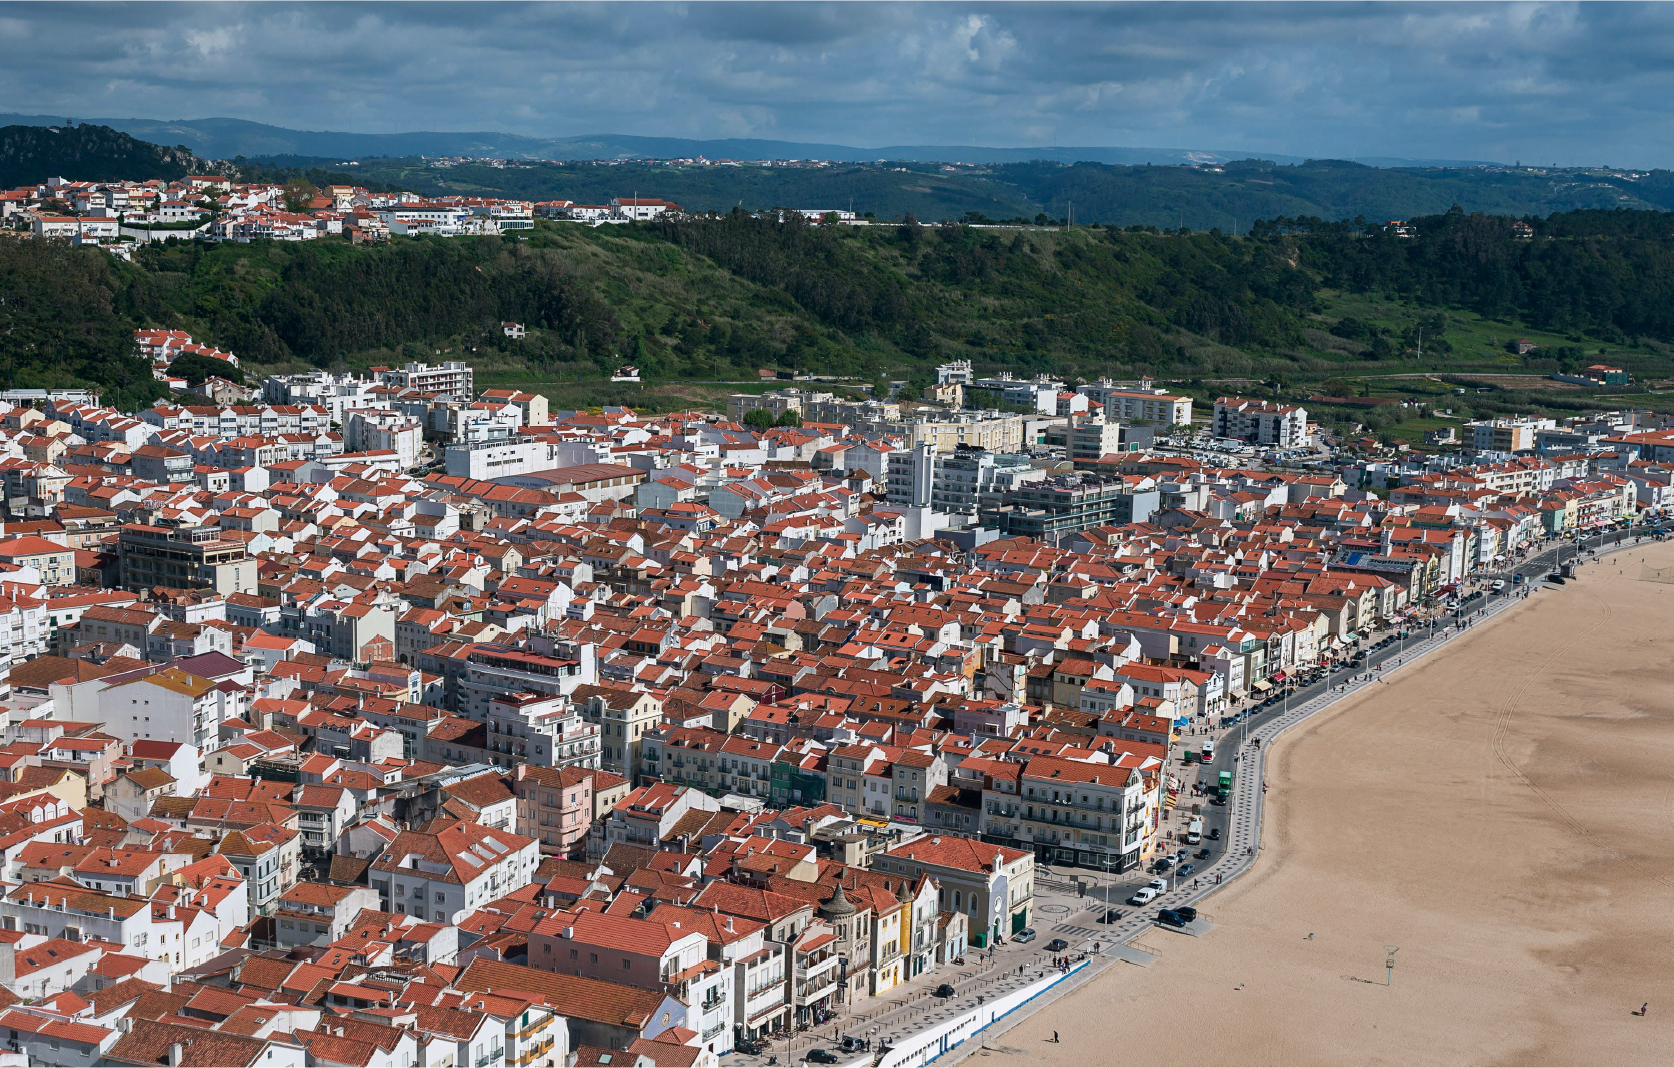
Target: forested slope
point(32, 154)
point(718, 298)
point(1201, 198)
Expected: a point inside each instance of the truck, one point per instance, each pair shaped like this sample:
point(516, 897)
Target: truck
point(1223, 789)
point(1208, 754)
point(1194, 832)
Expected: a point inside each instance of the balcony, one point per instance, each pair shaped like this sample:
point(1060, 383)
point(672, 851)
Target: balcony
point(490, 1058)
point(535, 1052)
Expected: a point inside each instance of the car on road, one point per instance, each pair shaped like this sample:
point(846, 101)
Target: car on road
point(823, 1056)
point(1186, 869)
point(1111, 915)
point(1143, 896)
point(1202, 854)
point(1214, 834)
point(1024, 936)
point(945, 990)
point(1057, 945)
point(1159, 885)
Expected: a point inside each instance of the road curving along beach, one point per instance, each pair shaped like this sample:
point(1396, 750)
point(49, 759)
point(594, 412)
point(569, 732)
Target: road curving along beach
point(1501, 814)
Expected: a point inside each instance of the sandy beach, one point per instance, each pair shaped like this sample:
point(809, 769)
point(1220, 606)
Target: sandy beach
point(1502, 812)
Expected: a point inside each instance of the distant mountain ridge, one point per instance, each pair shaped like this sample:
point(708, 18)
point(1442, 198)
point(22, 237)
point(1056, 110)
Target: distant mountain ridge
point(223, 138)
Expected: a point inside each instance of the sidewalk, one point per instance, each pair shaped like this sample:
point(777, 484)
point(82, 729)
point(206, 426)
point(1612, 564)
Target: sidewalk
point(1247, 803)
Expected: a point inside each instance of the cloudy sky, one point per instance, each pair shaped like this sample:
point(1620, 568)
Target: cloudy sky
point(1549, 83)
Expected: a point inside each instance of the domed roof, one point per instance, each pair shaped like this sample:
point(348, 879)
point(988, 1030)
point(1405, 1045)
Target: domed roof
point(838, 905)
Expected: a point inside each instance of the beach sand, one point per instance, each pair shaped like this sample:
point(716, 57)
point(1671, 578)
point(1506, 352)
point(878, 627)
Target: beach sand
point(1503, 812)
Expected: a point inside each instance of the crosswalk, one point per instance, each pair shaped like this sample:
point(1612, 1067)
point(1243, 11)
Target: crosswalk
point(1071, 929)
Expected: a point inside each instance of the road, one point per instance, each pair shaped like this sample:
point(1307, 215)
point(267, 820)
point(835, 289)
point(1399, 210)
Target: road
point(1240, 822)
point(1063, 911)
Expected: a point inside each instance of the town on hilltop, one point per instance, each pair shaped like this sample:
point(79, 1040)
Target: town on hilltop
point(117, 216)
point(377, 719)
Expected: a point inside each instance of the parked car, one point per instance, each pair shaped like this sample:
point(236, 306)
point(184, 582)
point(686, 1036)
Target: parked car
point(945, 990)
point(1057, 945)
point(1111, 915)
point(1187, 913)
point(1143, 896)
point(1159, 885)
point(1024, 936)
point(822, 1056)
point(1170, 918)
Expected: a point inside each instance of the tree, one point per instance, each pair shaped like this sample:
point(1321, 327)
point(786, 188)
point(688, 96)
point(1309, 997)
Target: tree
point(194, 368)
point(298, 194)
point(789, 417)
point(758, 419)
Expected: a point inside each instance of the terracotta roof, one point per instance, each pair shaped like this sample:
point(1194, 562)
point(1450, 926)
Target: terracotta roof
point(594, 1000)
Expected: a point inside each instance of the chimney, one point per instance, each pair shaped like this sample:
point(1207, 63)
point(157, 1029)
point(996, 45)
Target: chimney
point(177, 1053)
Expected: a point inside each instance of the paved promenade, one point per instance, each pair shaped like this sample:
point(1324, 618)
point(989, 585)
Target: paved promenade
point(1246, 807)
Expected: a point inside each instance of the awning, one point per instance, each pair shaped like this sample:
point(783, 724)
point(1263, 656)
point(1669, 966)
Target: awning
point(1279, 677)
point(1262, 684)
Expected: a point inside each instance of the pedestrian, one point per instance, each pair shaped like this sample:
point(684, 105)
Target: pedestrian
point(1054, 1036)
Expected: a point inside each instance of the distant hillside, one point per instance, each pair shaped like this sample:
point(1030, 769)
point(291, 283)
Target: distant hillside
point(221, 138)
point(1229, 198)
point(32, 154)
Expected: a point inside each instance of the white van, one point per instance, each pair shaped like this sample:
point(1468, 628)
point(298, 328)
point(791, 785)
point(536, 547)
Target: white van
point(1194, 831)
point(1207, 754)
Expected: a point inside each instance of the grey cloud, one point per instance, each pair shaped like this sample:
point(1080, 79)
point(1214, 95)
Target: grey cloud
point(1548, 82)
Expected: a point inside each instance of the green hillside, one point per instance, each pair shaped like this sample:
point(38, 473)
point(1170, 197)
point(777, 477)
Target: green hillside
point(1165, 196)
point(30, 155)
point(1300, 302)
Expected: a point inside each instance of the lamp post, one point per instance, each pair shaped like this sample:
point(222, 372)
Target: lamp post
point(1389, 964)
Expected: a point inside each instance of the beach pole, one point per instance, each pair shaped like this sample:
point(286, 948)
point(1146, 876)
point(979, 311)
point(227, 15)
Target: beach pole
point(1389, 964)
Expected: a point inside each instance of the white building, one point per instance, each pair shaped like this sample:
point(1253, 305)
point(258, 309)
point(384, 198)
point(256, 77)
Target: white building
point(452, 869)
point(1139, 404)
point(453, 376)
point(510, 456)
point(168, 706)
point(1261, 422)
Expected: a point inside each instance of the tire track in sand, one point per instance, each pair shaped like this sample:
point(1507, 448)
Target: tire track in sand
point(1502, 728)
